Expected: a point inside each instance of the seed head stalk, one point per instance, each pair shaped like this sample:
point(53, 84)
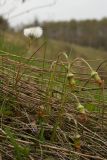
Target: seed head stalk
point(63, 98)
point(76, 59)
point(52, 76)
point(59, 119)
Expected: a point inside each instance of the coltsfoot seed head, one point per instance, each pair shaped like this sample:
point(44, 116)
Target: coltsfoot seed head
point(35, 32)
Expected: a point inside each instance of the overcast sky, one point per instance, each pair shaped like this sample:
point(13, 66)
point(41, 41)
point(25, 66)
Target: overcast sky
point(62, 10)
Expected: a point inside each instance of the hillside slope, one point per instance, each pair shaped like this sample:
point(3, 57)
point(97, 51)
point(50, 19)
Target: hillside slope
point(16, 43)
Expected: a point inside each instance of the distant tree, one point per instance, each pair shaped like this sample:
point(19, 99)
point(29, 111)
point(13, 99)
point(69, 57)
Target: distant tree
point(3, 24)
point(85, 32)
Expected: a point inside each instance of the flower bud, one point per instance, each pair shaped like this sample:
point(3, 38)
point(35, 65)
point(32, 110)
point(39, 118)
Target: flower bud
point(97, 78)
point(81, 117)
point(71, 79)
point(77, 142)
point(77, 136)
point(70, 75)
point(41, 111)
point(81, 108)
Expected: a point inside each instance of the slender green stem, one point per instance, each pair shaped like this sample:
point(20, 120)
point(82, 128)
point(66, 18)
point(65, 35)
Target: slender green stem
point(52, 76)
point(81, 59)
point(50, 86)
point(78, 102)
point(58, 121)
point(44, 57)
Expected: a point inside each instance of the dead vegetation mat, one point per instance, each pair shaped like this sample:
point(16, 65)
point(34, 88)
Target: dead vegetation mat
point(27, 129)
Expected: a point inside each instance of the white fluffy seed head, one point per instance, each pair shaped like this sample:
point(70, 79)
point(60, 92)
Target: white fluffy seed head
point(35, 32)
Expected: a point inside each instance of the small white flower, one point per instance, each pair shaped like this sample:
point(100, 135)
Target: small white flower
point(36, 32)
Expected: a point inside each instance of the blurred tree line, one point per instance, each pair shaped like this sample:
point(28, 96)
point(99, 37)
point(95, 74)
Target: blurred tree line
point(4, 26)
point(85, 32)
